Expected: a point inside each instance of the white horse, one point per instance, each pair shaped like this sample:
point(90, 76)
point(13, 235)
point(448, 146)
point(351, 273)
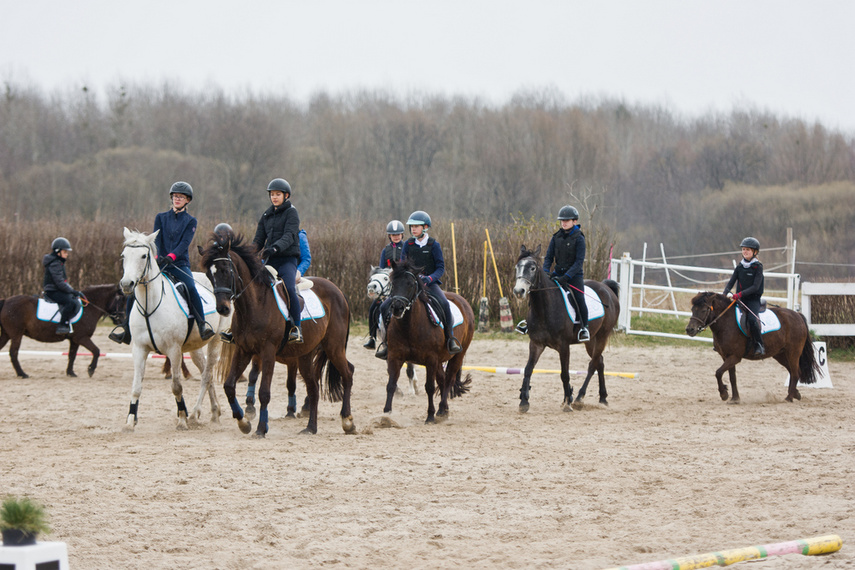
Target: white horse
point(379, 287)
point(158, 323)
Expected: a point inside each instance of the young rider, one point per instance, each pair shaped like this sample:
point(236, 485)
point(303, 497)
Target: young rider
point(567, 250)
point(55, 284)
point(277, 239)
point(425, 252)
point(176, 229)
point(748, 278)
point(391, 252)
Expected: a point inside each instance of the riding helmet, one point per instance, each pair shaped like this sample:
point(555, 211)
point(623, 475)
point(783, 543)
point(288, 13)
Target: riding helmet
point(419, 218)
point(568, 213)
point(750, 242)
point(182, 188)
point(223, 230)
point(60, 243)
point(394, 227)
point(279, 184)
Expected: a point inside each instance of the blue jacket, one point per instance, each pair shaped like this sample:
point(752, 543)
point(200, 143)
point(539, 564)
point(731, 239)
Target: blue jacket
point(176, 235)
point(428, 257)
point(305, 253)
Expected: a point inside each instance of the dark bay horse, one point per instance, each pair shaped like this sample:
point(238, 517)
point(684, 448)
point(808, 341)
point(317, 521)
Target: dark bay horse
point(18, 318)
point(790, 345)
point(410, 337)
point(550, 326)
point(240, 279)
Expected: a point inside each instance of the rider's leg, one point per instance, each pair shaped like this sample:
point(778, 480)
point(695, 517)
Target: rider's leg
point(288, 274)
point(578, 288)
point(68, 307)
point(122, 333)
point(754, 326)
point(182, 273)
point(452, 344)
point(373, 312)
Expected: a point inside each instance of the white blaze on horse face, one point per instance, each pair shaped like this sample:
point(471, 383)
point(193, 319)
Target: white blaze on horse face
point(522, 284)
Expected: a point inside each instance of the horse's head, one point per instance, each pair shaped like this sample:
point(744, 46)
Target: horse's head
point(116, 306)
point(220, 269)
point(378, 282)
point(703, 312)
point(404, 287)
point(526, 272)
point(139, 260)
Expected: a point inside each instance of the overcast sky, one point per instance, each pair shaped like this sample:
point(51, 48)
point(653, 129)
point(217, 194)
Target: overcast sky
point(792, 58)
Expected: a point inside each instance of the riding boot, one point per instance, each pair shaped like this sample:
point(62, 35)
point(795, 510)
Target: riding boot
point(382, 351)
point(757, 337)
point(121, 334)
point(63, 328)
point(370, 344)
point(453, 345)
point(296, 335)
point(205, 330)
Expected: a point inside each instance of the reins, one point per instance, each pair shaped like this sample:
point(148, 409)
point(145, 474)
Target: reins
point(704, 326)
point(406, 300)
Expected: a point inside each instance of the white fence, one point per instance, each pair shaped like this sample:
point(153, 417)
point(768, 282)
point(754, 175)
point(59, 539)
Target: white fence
point(813, 289)
point(632, 291)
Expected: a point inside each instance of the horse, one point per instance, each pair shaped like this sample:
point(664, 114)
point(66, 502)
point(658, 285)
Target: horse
point(242, 281)
point(790, 345)
point(378, 288)
point(411, 337)
point(550, 326)
point(18, 317)
point(159, 323)
point(290, 385)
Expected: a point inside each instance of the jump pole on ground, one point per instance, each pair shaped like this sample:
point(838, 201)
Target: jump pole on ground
point(809, 547)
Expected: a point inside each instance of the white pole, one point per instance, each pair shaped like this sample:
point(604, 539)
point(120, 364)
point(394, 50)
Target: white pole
point(668, 278)
point(641, 291)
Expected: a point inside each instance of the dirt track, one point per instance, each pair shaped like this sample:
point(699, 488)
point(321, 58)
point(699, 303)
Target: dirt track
point(667, 470)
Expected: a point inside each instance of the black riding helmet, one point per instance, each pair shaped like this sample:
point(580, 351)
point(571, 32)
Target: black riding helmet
point(395, 227)
point(280, 184)
point(182, 188)
point(419, 218)
point(60, 243)
point(751, 242)
point(223, 230)
point(568, 213)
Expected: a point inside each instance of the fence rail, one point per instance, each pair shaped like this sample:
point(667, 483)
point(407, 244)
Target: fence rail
point(816, 289)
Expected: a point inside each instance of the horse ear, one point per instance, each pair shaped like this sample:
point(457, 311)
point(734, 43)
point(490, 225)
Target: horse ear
point(537, 251)
point(126, 232)
point(153, 235)
point(522, 250)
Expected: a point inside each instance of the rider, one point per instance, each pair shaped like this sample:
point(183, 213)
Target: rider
point(748, 278)
point(392, 252)
point(277, 239)
point(425, 252)
point(567, 250)
point(176, 230)
point(56, 287)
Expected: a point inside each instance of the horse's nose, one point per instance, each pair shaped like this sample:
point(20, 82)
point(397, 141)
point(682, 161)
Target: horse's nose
point(691, 331)
point(519, 292)
point(127, 286)
point(224, 308)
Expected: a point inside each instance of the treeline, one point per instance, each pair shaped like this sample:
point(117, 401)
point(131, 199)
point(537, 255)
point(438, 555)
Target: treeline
point(697, 184)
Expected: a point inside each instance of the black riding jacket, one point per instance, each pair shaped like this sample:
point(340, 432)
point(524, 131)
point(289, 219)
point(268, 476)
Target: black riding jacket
point(567, 250)
point(279, 228)
point(749, 280)
point(429, 258)
point(55, 278)
point(392, 252)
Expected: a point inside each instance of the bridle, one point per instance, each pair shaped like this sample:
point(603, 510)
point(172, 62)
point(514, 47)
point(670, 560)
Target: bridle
point(702, 321)
point(521, 267)
point(141, 280)
point(384, 289)
point(408, 301)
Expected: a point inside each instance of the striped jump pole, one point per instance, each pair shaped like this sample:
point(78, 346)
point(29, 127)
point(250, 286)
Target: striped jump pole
point(808, 547)
point(501, 370)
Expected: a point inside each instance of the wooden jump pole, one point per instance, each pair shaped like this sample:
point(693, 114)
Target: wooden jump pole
point(808, 547)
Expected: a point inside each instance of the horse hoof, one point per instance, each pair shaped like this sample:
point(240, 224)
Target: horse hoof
point(245, 425)
point(347, 425)
point(569, 407)
point(72, 374)
point(23, 375)
point(430, 420)
point(441, 417)
point(249, 414)
point(259, 435)
point(797, 395)
point(91, 371)
point(723, 395)
point(290, 415)
point(523, 407)
point(309, 431)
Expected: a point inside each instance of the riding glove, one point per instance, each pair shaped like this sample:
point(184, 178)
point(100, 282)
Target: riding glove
point(737, 296)
point(427, 279)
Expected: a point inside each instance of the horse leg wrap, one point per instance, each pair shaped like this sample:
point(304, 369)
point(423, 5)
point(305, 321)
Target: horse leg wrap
point(262, 419)
point(182, 407)
point(237, 411)
point(250, 394)
point(133, 409)
point(292, 402)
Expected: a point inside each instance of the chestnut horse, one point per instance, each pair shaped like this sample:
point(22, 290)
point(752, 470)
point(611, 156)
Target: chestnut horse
point(411, 337)
point(790, 345)
point(550, 326)
point(240, 280)
point(18, 318)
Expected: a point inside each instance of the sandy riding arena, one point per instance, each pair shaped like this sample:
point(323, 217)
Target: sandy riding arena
point(668, 470)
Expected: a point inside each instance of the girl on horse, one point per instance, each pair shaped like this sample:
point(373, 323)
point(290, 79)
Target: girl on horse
point(748, 278)
point(277, 238)
point(567, 250)
point(425, 252)
point(391, 252)
point(55, 284)
point(176, 229)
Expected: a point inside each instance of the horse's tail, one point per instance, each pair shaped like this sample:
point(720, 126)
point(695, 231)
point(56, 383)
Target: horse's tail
point(334, 391)
point(613, 285)
point(227, 352)
point(808, 366)
point(460, 387)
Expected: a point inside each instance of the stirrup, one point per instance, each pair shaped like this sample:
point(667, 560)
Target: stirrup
point(296, 335)
point(453, 345)
point(382, 351)
point(205, 331)
point(522, 327)
point(63, 328)
point(584, 335)
point(227, 337)
point(759, 349)
point(121, 334)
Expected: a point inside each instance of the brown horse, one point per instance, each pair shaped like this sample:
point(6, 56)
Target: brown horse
point(410, 337)
point(18, 318)
point(790, 345)
point(259, 329)
point(549, 326)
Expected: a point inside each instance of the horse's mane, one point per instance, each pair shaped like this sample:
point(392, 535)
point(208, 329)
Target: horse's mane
point(527, 253)
point(246, 251)
point(405, 265)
